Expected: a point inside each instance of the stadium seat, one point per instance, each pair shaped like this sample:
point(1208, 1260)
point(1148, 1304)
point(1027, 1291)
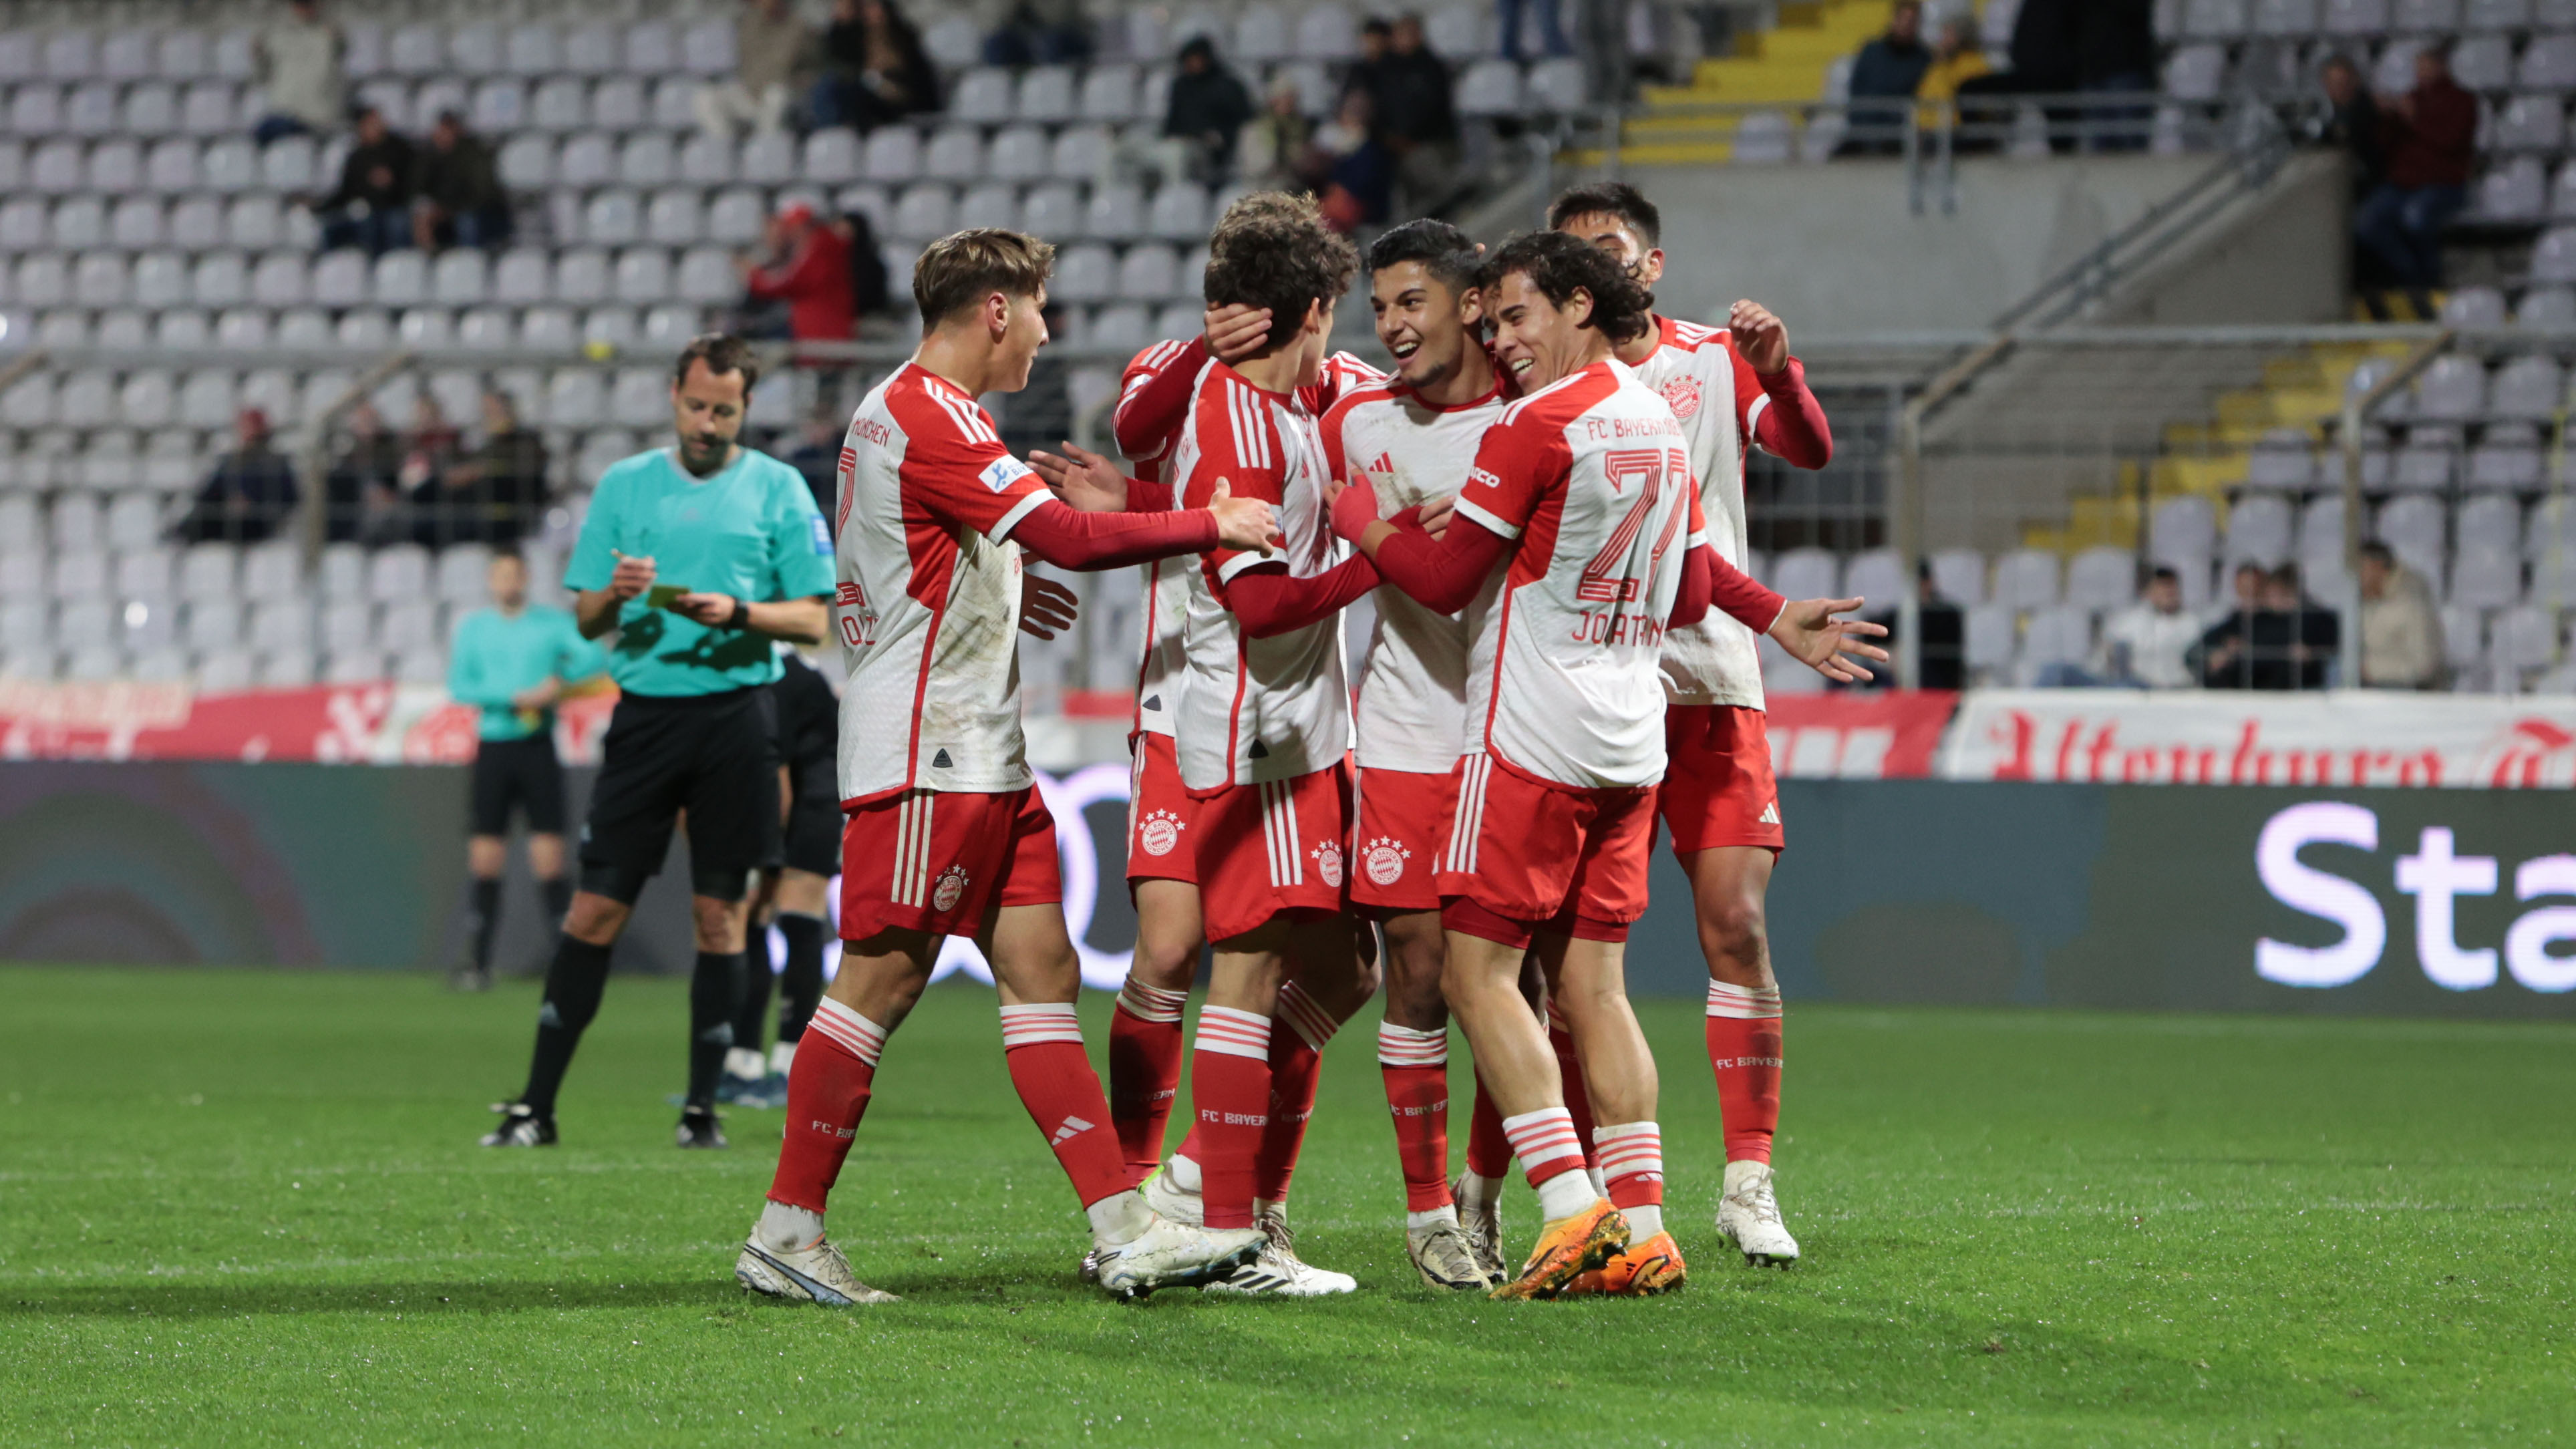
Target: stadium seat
point(2259, 529)
point(2214, 19)
point(1082, 153)
point(2516, 191)
point(1109, 94)
point(1116, 212)
point(1805, 573)
point(1020, 153)
point(2530, 123)
point(768, 159)
point(1989, 639)
point(1958, 575)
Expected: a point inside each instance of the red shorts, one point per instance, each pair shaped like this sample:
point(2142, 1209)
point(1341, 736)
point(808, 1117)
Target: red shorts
point(1160, 813)
point(939, 860)
point(1534, 850)
point(1272, 846)
point(1718, 788)
point(1404, 823)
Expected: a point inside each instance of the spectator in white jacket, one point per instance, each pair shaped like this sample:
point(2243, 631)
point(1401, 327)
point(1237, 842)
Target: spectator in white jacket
point(299, 68)
point(2401, 634)
point(2145, 645)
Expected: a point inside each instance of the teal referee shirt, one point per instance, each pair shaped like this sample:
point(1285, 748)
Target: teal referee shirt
point(496, 656)
point(751, 531)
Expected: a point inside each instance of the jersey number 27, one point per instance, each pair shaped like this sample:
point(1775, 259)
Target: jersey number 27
point(1648, 468)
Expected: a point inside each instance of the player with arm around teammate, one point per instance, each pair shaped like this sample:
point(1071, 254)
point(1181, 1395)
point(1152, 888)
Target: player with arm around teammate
point(698, 557)
point(1581, 494)
point(1734, 388)
point(946, 833)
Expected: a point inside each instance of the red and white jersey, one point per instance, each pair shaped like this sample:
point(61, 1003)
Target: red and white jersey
point(1717, 396)
point(1258, 709)
point(928, 607)
point(1413, 682)
point(1147, 429)
point(1589, 474)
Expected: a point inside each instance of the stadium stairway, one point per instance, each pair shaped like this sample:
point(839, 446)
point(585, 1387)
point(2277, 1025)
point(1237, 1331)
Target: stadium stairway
point(1787, 65)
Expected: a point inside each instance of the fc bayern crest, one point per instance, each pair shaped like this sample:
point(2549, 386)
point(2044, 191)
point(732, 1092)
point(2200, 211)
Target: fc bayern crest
point(1384, 860)
point(950, 889)
point(1328, 862)
point(1682, 394)
point(1158, 832)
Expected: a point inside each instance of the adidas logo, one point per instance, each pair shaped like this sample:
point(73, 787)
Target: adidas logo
point(1153, 702)
point(1385, 463)
point(940, 761)
point(1072, 1127)
point(1770, 814)
point(1259, 751)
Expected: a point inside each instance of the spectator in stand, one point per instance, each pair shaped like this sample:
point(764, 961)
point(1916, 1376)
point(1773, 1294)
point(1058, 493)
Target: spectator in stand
point(1368, 72)
point(1040, 32)
point(299, 71)
point(460, 201)
point(493, 494)
point(362, 494)
point(1956, 60)
point(2045, 45)
point(1417, 115)
point(2220, 657)
point(2148, 645)
point(2401, 635)
point(2430, 135)
point(809, 272)
point(427, 450)
point(372, 206)
point(1040, 415)
point(1551, 34)
point(248, 495)
point(1359, 182)
point(875, 70)
point(817, 459)
point(870, 294)
point(1278, 148)
point(1942, 662)
point(2351, 123)
point(1207, 110)
point(775, 56)
point(1887, 69)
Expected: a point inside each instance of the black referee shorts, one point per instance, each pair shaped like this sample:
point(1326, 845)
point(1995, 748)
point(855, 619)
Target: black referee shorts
point(517, 773)
point(708, 754)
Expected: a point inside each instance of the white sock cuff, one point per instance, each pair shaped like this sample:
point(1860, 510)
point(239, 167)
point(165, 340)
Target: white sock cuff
point(1038, 1023)
point(1406, 1046)
point(850, 1031)
point(1152, 1003)
point(1311, 1022)
point(1234, 1033)
point(1630, 1149)
point(1543, 1136)
point(1744, 1003)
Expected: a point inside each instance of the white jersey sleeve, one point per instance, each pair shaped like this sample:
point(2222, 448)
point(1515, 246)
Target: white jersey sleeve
point(1697, 373)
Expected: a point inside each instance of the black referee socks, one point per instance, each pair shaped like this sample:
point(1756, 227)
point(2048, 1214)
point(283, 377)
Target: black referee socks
point(800, 987)
point(483, 908)
point(714, 989)
point(573, 986)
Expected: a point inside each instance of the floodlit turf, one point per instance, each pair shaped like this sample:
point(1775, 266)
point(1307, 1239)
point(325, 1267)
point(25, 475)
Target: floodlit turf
point(247, 1207)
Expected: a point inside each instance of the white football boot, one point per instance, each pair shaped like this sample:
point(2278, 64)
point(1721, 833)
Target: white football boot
point(1175, 1255)
point(1169, 1199)
point(1445, 1258)
point(1277, 1270)
point(1483, 1227)
point(1749, 1216)
point(813, 1274)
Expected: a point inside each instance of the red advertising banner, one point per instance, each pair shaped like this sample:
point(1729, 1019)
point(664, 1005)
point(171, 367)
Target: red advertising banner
point(380, 724)
point(1858, 734)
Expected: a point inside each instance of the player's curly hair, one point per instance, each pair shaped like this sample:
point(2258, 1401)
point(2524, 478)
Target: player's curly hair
point(1273, 250)
point(1609, 198)
point(1560, 266)
point(1443, 250)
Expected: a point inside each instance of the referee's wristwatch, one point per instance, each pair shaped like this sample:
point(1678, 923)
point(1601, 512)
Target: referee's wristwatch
point(740, 618)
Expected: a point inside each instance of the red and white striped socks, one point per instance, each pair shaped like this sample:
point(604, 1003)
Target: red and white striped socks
point(1145, 1045)
point(1744, 1052)
point(1296, 1066)
point(1632, 1158)
point(827, 1093)
point(1415, 1065)
point(1230, 1089)
point(1043, 1046)
point(1551, 1156)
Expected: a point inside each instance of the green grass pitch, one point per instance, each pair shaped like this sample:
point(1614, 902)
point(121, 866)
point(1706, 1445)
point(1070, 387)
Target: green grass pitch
point(247, 1207)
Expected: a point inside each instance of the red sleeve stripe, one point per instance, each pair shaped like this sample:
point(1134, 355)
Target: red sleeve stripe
point(1249, 414)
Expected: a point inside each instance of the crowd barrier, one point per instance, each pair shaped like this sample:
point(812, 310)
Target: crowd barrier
point(2071, 848)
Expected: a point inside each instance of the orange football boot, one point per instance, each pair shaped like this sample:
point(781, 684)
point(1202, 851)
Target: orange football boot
point(1567, 1249)
point(1639, 1271)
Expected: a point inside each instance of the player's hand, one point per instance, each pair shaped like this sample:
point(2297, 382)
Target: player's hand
point(1245, 523)
point(1808, 629)
point(1761, 339)
point(1436, 513)
point(1083, 479)
point(633, 576)
point(540, 695)
point(1235, 331)
point(1352, 506)
point(1047, 608)
point(713, 610)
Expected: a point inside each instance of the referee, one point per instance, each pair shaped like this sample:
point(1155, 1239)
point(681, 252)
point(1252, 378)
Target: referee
point(513, 661)
point(699, 556)
point(798, 876)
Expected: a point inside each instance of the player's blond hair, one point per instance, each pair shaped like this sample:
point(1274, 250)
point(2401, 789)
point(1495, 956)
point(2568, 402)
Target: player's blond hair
point(963, 268)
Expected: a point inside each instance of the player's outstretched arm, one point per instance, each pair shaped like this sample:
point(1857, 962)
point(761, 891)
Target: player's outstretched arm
point(1084, 542)
point(1441, 574)
point(1269, 602)
point(1832, 647)
point(1791, 425)
point(1093, 484)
